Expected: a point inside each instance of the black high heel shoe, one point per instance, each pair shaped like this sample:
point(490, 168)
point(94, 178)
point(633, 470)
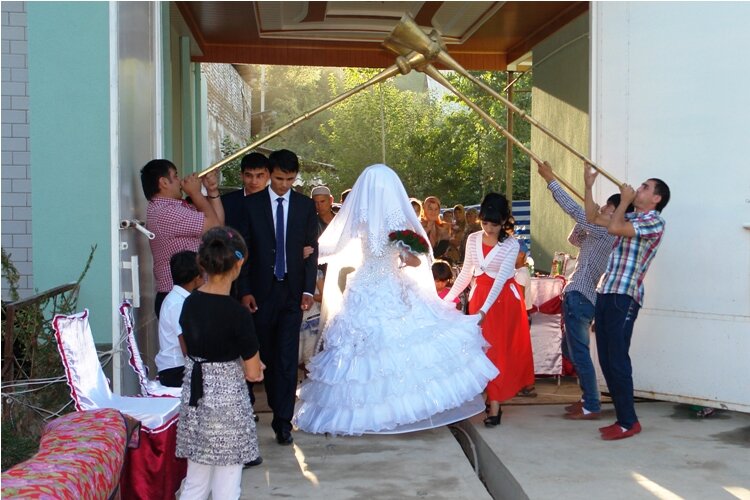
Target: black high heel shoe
point(493, 421)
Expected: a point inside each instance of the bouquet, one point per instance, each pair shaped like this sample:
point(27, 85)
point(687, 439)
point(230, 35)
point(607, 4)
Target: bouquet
point(409, 240)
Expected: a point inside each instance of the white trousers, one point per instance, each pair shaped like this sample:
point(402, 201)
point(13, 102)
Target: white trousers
point(223, 481)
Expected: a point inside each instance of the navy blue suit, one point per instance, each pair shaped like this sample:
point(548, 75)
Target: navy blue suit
point(279, 316)
point(234, 209)
point(234, 217)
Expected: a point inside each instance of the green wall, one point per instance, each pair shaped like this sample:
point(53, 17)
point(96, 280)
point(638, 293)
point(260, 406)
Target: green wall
point(560, 101)
point(70, 150)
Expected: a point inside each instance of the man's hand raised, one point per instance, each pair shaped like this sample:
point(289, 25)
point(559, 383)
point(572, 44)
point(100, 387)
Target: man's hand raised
point(627, 194)
point(589, 174)
point(545, 170)
point(191, 185)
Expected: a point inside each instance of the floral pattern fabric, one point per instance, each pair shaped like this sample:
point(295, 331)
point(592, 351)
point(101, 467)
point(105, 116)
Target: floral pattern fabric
point(80, 456)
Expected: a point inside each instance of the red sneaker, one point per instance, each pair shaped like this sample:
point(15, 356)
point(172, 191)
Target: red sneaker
point(618, 433)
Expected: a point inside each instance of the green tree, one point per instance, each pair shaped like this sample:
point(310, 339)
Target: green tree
point(436, 143)
point(354, 135)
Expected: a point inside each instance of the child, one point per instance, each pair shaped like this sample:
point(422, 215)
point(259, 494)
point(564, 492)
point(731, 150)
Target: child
point(443, 276)
point(170, 361)
point(216, 430)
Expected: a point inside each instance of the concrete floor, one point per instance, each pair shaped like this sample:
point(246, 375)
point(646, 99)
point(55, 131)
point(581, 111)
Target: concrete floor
point(677, 455)
point(427, 464)
point(535, 454)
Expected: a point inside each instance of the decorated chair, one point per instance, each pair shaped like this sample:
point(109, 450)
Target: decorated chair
point(148, 387)
point(151, 471)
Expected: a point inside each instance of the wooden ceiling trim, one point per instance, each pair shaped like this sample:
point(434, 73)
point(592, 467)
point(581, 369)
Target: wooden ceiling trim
point(333, 56)
point(363, 16)
point(546, 30)
point(316, 12)
point(301, 56)
point(477, 24)
point(193, 25)
point(427, 12)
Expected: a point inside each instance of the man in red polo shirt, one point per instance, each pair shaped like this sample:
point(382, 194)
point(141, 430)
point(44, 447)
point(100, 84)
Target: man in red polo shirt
point(176, 224)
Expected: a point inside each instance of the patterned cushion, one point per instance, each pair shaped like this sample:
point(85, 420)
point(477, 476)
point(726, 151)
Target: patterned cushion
point(80, 456)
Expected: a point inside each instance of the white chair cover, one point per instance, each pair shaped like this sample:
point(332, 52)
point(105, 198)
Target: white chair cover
point(148, 387)
point(89, 387)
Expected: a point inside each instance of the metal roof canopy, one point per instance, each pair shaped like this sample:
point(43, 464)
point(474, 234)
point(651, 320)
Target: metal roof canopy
point(479, 35)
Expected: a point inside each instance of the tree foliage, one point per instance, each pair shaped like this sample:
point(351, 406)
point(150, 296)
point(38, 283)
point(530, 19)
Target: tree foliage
point(435, 142)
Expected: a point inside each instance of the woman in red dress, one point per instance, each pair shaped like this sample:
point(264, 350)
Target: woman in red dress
point(490, 259)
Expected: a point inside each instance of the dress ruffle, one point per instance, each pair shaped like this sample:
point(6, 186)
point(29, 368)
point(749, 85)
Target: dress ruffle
point(393, 356)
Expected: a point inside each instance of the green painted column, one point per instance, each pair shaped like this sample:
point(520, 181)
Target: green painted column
point(560, 100)
point(166, 49)
point(69, 106)
point(186, 81)
point(198, 118)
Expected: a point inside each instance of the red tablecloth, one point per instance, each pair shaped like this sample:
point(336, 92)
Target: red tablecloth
point(152, 472)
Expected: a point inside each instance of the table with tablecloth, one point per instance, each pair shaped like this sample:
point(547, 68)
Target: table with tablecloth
point(546, 324)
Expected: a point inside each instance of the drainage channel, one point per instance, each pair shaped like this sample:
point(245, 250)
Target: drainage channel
point(497, 479)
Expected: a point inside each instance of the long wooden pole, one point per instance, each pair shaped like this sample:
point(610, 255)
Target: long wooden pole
point(403, 65)
point(430, 70)
point(509, 147)
point(407, 36)
point(446, 59)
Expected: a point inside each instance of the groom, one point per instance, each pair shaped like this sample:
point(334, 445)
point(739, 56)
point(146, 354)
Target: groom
point(277, 282)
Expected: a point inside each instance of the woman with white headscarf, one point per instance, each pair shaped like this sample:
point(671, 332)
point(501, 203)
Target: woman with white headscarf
point(396, 357)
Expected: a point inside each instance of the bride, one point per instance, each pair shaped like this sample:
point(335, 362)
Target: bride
point(396, 358)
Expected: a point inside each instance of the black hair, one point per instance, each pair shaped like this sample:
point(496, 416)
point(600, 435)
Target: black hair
point(221, 248)
point(510, 225)
point(284, 160)
point(150, 175)
point(495, 209)
point(184, 267)
point(346, 192)
point(614, 200)
point(661, 188)
point(254, 161)
point(441, 270)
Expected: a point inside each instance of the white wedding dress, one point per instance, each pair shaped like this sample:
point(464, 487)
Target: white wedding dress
point(396, 357)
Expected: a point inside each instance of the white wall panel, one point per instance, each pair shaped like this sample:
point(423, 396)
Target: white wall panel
point(669, 99)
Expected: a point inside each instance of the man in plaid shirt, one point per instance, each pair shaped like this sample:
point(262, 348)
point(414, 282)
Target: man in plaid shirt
point(620, 291)
point(579, 296)
point(176, 224)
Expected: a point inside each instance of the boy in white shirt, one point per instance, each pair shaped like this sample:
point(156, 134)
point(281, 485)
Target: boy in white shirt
point(170, 361)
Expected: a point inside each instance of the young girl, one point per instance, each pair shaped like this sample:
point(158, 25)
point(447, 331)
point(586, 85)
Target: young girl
point(216, 430)
point(490, 259)
point(443, 275)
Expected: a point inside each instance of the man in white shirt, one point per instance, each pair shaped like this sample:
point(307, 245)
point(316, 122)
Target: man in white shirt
point(170, 361)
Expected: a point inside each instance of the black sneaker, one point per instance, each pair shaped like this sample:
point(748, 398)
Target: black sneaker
point(253, 463)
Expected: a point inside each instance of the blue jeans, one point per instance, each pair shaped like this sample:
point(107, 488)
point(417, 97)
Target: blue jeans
point(578, 313)
point(615, 316)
